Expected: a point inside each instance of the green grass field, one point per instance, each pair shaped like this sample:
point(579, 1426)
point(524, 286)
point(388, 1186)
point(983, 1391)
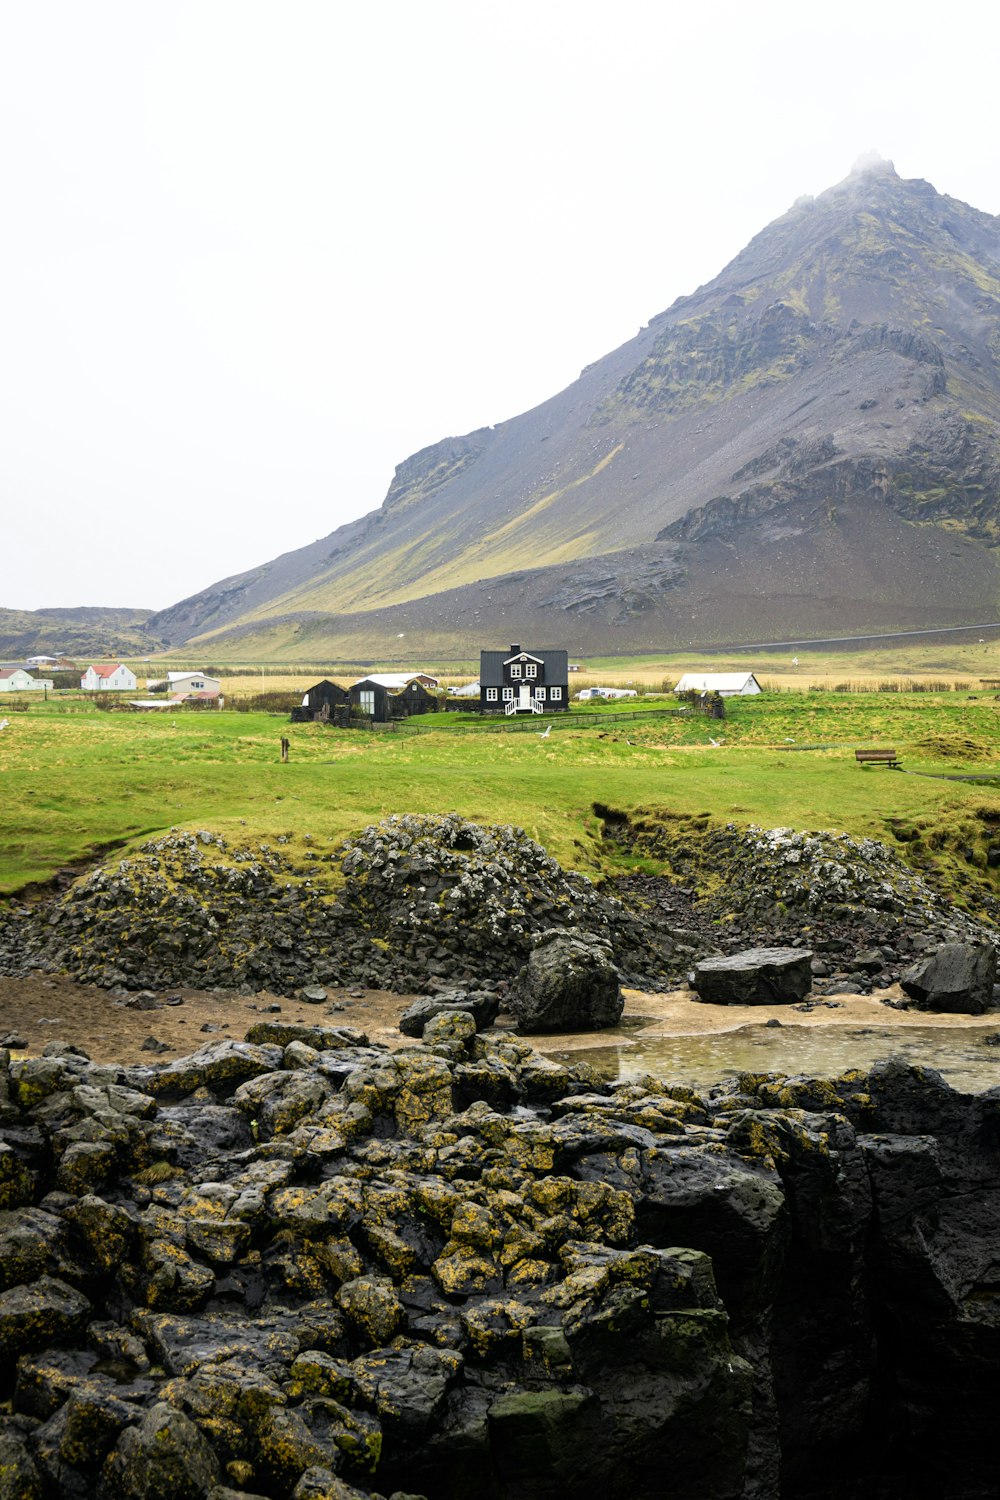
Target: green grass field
point(77, 783)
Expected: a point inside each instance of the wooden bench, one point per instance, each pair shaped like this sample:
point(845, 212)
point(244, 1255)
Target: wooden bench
point(877, 758)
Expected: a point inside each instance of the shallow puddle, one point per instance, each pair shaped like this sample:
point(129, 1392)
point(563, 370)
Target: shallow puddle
point(961, 1053)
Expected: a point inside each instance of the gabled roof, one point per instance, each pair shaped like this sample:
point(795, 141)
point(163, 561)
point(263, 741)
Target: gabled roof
point(392, 681)
point(714, 682)
point(11, 670)
point(522, 656)
point(105, 668)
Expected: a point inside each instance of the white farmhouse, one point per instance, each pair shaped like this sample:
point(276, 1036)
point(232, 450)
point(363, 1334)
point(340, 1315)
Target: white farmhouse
point(17, 680)
point(108, 677)
point(726, 684)
point(184, 684)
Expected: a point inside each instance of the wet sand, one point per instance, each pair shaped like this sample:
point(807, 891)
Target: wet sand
point(44, 1007)
point(41, 1008)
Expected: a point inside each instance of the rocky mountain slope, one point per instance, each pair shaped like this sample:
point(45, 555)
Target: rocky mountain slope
point(76, 632)
point(808, 443)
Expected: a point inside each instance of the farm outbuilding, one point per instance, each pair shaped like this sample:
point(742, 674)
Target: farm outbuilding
point(319, 702)
point(17, 680)
point(726, 684)
point(393, 695)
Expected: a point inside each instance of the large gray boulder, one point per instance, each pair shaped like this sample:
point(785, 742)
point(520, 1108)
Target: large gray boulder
point(958, 977)
point(570, 983)
point(757, 976)
point(163, 1457)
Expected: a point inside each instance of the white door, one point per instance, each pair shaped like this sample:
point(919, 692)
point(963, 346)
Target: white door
point(524, 701)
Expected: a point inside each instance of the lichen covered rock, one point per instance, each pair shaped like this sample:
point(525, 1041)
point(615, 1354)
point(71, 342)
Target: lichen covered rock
point(570, 983)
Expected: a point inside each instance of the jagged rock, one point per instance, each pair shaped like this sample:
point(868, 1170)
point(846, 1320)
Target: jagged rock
point(958, 977)
point(372, 1305)
point(164, 1457)
point(213, 1064)
point(19, 1476)
point(757, 976)
point(15, 1178)
point(425, 1279)
point(483, 1005)
point(45, 1313)
point(570, 983)
point(322, 1484)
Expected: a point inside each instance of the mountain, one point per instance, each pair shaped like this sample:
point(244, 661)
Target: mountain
point(83, 632)
point(807, 445)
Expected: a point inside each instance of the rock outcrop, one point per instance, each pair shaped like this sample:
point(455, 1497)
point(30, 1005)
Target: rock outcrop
point(425, 904)
point(408, 903)
point(287, 1268)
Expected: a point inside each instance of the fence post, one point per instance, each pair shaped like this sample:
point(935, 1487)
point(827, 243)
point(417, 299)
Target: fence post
point(284, 748)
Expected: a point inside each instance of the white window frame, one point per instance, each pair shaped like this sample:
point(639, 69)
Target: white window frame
point(515, 670)
point(531, 670)
point(539, 692)
point(508, 695)
point(555, 694)
point(491, 695)
point(366, 701)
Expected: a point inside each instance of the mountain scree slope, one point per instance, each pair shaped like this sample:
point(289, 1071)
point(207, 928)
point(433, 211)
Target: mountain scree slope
point(807, 445)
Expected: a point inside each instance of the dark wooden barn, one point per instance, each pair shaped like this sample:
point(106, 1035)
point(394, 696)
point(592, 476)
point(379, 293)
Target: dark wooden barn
point(391, 695)
point(319, 701)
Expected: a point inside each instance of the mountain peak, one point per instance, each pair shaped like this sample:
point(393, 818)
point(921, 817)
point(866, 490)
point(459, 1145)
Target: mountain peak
point(809, 443)
point(872, 163)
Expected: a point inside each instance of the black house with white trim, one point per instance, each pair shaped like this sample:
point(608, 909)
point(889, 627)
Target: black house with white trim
point(523, 682)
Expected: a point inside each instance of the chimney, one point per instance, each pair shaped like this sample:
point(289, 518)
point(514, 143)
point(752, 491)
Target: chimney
point(515, 649)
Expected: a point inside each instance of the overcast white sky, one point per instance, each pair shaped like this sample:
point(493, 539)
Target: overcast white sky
point(254, 254)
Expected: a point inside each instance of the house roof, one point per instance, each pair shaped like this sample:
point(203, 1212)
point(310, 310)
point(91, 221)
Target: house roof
point(491, 664)
point(392, 681)
point(11, 671)
point(105, 668)
point(714, 682)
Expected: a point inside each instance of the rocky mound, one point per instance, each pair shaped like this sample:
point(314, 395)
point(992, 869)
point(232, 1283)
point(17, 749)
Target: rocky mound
point(769, 872)
point(853, 901)
point(407, 902)
point(300, 1266)
point(416, 902)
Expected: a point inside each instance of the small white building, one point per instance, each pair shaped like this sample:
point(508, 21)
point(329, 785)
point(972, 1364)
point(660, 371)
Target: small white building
point(184, 684)
point(108, 677)
point(726, 684)
point(17, 680)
